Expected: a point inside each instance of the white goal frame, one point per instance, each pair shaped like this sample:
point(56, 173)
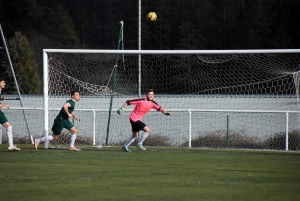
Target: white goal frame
point(157, 52)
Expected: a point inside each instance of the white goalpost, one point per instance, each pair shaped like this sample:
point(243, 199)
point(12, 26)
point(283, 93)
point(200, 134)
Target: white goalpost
point(218, 98)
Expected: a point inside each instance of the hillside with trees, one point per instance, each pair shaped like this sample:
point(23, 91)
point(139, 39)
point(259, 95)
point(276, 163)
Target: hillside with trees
point(181, 24)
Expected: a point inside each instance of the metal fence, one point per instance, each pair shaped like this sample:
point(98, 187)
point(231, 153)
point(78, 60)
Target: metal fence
point(272, 130)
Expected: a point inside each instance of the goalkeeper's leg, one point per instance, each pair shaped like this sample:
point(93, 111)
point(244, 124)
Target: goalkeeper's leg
point(130, 140)
point(146, 130)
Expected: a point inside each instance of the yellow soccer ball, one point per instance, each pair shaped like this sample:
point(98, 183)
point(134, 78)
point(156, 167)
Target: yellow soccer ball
point(152, 16)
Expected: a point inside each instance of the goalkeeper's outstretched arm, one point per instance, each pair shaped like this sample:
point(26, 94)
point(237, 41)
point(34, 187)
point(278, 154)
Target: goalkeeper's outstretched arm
point(120, 111)
point(165, 112)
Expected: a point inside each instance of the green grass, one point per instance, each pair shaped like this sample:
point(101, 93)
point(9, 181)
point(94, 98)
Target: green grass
point(155, 174)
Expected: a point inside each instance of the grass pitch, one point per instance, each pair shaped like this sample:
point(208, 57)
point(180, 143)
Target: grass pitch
point(155, 174)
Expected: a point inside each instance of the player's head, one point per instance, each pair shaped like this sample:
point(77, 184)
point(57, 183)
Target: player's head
point(2, 83)
point(75, 95)
point(150, 94)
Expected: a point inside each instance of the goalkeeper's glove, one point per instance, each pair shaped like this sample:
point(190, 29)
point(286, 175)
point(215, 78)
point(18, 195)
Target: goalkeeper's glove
point(166, 113)
point(120, 111)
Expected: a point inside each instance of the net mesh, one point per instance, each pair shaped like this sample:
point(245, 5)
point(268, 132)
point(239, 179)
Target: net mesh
point(215, 100)
point(181, 83)
point(265, 74)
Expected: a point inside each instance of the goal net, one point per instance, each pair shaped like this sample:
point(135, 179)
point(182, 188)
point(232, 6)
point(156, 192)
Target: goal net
point(218, 99)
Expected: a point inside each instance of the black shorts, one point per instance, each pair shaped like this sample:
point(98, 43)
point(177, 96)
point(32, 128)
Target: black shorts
point(137, 126)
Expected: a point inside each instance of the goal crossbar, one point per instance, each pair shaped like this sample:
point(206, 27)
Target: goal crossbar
point(253, 51)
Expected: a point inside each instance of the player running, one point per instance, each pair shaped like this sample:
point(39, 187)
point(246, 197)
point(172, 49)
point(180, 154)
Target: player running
point(4, 121)
point(142, 107)
point(62, 121)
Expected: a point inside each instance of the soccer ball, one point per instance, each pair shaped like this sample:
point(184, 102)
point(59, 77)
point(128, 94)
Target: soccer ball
point(151, 16)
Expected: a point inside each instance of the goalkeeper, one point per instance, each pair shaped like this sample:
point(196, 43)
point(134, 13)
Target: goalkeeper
point(142, 107)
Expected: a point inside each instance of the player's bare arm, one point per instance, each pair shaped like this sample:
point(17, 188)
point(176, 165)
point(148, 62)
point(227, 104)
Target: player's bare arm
point(75, 117)
point(125, 105)
point(66, 106)
point(66, 109)
point(120, 111)
point(4, 105)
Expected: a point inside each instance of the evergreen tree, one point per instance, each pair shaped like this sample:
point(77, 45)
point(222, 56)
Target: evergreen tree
point(24, 65)
point(59, 27)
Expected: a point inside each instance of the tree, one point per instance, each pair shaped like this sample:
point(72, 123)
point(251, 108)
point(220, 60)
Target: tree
point(25, 67)
point(59, 27)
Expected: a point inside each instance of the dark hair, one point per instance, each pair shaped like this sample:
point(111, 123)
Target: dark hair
point(150, 90)
point(73, 92)
point(2, 79)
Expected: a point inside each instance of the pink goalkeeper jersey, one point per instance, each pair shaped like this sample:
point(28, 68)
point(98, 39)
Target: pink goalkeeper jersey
point(142, 107)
